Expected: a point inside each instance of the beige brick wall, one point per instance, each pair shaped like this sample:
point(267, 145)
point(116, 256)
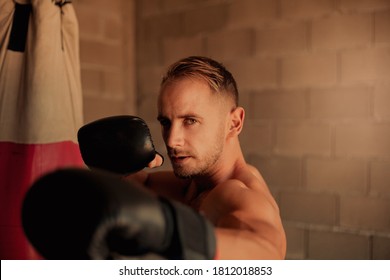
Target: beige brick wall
point(107, 54)
point(314, 78)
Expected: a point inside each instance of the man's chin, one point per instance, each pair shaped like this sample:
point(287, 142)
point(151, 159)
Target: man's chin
point(182, 175)
point(188, 174)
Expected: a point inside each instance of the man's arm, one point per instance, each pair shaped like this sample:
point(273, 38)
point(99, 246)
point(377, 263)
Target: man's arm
point(247, 222)
point(246, 217)
point(163, 183)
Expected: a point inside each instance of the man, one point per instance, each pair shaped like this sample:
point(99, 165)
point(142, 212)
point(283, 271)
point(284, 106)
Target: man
point(227, 211)
point(201, 121)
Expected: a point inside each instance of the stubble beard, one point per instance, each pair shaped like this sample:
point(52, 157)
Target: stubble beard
point(201, 165)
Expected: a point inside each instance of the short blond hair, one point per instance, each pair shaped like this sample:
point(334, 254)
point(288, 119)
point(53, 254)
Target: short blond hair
point(214, 73)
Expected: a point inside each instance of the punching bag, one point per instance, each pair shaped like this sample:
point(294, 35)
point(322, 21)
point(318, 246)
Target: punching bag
point(40, 105)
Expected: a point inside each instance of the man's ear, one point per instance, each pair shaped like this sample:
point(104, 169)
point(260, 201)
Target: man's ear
point(237, 117)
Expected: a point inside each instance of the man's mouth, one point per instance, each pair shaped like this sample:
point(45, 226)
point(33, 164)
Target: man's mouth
point(179, 159)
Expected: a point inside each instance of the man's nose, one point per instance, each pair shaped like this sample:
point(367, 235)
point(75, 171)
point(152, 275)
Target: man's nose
point(174, 136)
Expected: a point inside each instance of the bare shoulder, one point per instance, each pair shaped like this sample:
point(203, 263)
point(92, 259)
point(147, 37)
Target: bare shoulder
point(246, 192)
point(255, 172)
point(245, 204)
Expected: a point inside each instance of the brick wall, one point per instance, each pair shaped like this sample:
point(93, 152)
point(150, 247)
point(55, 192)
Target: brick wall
point(314, 78)
point(107, 54)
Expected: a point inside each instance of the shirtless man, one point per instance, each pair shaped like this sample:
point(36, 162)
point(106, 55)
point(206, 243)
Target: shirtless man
point(201, 121)
point(226, 209)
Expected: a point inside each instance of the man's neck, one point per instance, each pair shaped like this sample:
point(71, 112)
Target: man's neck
point(224, 169)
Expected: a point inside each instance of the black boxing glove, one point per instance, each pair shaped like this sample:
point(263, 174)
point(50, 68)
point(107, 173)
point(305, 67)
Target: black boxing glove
point(84, 214)
point(120, 144)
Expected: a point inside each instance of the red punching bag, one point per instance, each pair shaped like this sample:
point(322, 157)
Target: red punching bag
point(40, 105)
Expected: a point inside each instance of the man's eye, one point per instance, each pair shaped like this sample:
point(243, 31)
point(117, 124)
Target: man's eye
point(164, 123)
point(190, 121)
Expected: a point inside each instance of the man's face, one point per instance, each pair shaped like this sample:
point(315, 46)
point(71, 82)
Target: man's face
point(193, 125)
